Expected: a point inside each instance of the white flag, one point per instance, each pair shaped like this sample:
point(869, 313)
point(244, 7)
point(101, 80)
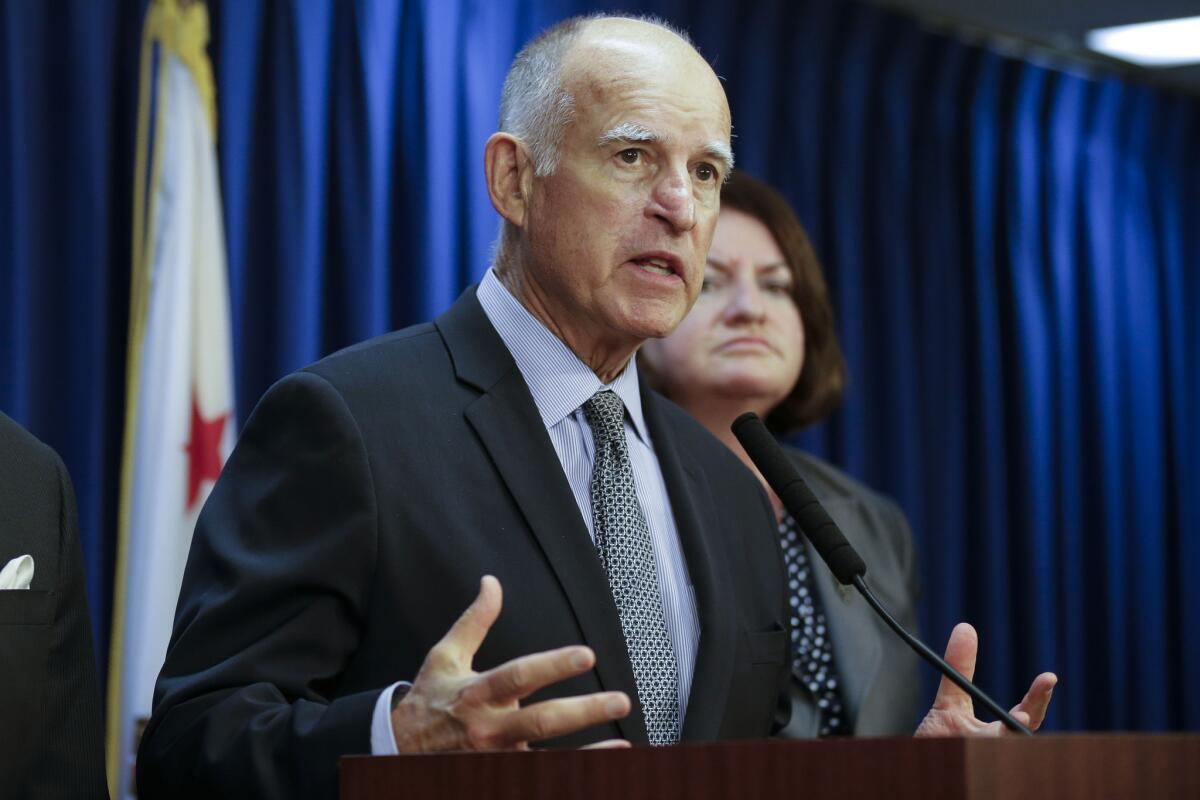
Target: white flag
point(179, 425)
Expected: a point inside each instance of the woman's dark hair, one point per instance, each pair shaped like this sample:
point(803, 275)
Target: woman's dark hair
point(823, 378)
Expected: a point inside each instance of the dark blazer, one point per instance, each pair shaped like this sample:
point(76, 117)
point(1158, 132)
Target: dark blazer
point(51, 743)
point(877, 670)
point(365, 498)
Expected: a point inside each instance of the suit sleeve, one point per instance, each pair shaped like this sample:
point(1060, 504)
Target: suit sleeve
point(908, 702)
point(271, 609)
point(71, 759)
point(906, 560)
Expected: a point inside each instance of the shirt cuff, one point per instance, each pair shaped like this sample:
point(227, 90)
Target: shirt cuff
point(383, 738)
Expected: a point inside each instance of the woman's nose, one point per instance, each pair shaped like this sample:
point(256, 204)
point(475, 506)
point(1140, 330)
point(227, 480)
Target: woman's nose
point(746, 303)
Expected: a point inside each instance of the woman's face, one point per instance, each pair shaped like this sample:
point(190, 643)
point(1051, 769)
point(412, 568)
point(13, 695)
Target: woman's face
point(743, 338)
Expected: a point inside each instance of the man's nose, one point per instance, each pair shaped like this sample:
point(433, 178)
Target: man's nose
point(673, 202)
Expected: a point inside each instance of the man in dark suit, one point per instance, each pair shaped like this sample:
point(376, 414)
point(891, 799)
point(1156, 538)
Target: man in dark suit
point(369, 492)
point(51, 744)
point(511, 438)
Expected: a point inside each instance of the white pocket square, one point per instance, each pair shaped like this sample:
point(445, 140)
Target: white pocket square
point(17, 574)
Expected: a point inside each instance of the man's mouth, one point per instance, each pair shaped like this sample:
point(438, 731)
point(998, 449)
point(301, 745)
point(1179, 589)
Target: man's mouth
point(658, 264)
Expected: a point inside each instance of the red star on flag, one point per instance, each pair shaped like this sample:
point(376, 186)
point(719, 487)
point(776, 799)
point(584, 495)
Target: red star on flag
point(204, 451)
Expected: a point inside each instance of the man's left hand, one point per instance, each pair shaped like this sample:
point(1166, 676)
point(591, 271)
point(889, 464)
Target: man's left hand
point(953, 712)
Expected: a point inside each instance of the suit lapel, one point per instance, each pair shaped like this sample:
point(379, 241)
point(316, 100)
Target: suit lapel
point(507, 423)
point(695, 520)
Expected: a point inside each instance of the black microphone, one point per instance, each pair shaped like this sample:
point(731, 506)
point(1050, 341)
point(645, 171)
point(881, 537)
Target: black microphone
point(830, 543)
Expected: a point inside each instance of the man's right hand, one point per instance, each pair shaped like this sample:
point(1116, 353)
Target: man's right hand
point(451, 707)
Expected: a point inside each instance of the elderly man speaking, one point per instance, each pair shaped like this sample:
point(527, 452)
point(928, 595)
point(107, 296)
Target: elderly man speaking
point(509, 443)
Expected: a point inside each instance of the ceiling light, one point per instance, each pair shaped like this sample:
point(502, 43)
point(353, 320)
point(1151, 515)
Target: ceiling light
point(1168, 43)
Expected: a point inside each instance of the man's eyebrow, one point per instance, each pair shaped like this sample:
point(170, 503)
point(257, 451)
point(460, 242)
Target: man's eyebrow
point(721, 152)
point(715, 150)
point(627, 132)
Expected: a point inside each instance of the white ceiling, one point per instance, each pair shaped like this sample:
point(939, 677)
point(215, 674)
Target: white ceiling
point(1057, 24)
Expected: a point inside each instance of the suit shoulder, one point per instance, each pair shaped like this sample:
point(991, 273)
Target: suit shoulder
point(27, 461)
point(375, 367)
point(829, 483)
point(409, 371)
point(405, 347)
point(697, 440)
point(833, 487)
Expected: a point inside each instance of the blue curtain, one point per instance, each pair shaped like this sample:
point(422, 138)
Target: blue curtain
point(1014, 254)
point(1013, 250)
point(68, 99)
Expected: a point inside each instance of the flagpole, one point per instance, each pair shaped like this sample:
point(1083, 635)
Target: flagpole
point(173, 30)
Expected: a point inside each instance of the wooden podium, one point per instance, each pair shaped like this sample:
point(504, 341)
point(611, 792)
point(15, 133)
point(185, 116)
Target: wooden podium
point(1066, 767)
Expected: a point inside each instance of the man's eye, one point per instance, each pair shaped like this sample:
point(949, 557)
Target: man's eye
point(631, 156)
point(706, 172)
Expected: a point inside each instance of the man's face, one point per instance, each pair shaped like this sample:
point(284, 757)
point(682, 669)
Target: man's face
point(616, 238)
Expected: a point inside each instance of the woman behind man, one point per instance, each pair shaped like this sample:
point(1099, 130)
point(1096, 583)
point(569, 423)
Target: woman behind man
point(761, 338)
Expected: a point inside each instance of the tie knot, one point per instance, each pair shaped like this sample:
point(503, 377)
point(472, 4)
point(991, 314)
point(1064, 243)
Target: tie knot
point(606, 415)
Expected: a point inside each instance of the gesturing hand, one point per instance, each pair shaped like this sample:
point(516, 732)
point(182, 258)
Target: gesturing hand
point(953, 712)
point(451, 707)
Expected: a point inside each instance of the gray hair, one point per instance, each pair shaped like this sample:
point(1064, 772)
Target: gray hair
point(535, 107)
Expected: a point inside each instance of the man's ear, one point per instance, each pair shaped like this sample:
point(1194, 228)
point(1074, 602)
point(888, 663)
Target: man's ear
point(509, 173)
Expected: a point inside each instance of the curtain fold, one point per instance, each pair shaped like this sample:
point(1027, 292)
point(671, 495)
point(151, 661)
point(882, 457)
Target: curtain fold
point(68, 96)
point(1014, 252)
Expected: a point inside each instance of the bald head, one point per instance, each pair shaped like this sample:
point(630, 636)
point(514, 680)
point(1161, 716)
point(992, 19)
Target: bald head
point(547, 76)
point(607, 43)
point(615, 57)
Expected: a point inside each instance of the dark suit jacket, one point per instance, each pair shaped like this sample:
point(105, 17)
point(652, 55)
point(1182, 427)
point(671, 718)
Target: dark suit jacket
point(51, 744)
point(365, 498)
point(877, 670)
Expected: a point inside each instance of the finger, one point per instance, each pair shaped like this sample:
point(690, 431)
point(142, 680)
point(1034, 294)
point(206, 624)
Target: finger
point(993, 730)
point(608, 744)
point(469, 630)
point(1036, 702)
point(961, 652)
point(550, 719)
point(521, 677)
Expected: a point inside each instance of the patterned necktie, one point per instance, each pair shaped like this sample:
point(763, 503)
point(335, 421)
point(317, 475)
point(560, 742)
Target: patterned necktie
point(812, 650)
point(623, 542)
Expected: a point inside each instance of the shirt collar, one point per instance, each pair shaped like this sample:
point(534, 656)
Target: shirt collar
point(559, 382)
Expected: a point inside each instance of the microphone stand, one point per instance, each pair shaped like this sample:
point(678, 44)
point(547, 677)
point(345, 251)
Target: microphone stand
point(837, 553)
point(959, 680)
